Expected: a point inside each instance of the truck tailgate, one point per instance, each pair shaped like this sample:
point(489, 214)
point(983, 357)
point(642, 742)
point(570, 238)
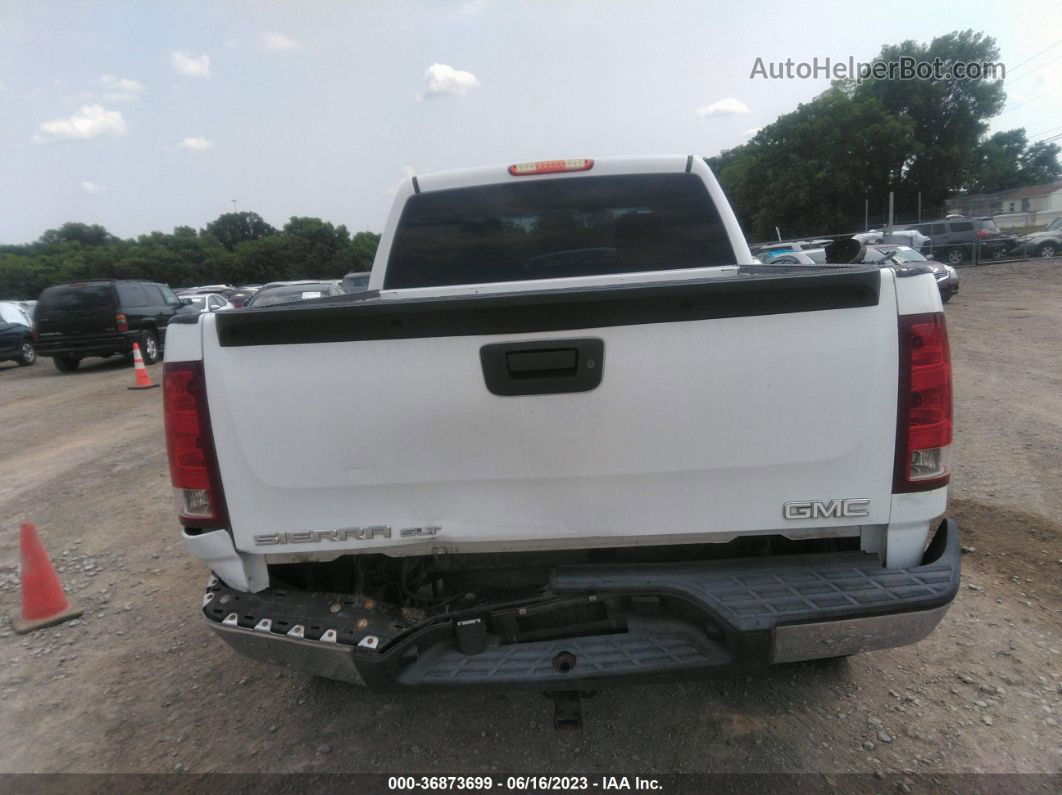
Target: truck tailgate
point(717, 404)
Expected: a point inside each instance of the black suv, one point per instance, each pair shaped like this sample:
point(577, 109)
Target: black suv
point(955, 239)
point(103, 318)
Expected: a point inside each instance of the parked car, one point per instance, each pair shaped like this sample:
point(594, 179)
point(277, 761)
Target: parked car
point(797, 252)
point(237, 296)
point(1045, 243)
point(104, 318)
point(207, 302)
point(770, 249)
point(956, 238)
point(288, 292)
point(900, 237)
point(946, 275)
point(525, 468)
point(809, 257)
point(242, 294)
point(356, 282)
point(16, 335)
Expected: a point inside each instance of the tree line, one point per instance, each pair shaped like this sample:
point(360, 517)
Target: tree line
point(810, 171)
point(235, 248)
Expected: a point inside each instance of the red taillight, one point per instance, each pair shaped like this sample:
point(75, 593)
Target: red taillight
point(190, 443)
point(550, 167)
point(121, 322)
point(924, 424)
point(983, 233)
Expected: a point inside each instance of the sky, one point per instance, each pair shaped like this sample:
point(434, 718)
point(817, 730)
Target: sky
point(144, 116)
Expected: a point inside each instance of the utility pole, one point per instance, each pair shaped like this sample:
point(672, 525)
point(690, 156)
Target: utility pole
point(866, 215)
point(919, 206)
point(888, 231)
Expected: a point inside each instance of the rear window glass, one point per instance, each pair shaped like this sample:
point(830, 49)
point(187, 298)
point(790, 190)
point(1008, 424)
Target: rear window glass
point(556, 228)
point(77, 297)
point(154, 295)
point(356, 281)
point(291, 293)
point(133, 295)
point(9, 313)
point(989, 225)
point(903, 254)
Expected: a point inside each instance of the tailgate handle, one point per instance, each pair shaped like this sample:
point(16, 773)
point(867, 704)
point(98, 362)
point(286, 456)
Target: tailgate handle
point(556, 363)
point(543, 367)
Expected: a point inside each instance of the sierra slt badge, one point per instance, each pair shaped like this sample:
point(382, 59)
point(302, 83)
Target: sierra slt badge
point(341, 534)
point(834, 509)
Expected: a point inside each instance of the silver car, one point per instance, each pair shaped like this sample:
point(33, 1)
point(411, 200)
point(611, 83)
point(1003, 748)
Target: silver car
point(947, 277)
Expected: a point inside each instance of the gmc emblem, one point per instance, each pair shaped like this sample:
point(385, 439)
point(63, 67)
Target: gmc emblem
point(834, 509)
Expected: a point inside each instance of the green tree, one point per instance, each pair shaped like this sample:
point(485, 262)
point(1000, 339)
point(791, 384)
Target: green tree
point(949, 115)
point(1006, 160)
point(268, 259)
point(807, 171)
point(1039, 163)
point(997, 163)
point(324, 250)
point(231, 229)
point(363, 250)
point(811, 170)
point(74, 232)
point(306, 248)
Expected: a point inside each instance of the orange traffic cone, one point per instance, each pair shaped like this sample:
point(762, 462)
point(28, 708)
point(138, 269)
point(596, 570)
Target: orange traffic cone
point(43, 601)
point(142, 379)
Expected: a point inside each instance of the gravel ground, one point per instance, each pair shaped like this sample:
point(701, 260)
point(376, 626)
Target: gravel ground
point(140, 685)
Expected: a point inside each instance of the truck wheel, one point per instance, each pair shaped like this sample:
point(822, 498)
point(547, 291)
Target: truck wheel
point(149, 347)
point(27, 354)
point(956, 256)
point(1047, 250)
point(66, 364)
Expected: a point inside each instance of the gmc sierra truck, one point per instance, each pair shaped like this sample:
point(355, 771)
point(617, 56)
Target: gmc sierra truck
point(572, 435)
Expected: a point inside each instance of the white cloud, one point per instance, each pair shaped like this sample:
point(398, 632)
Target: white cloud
point(192, 65)
point(198, 143)
point(278, 42)
point(751, 132)
point(120, 89)
point(90, 187)
point(440, 79)
point(729, 106)
point(91, 121)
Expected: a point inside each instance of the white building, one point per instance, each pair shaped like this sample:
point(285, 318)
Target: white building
point(1033, 205)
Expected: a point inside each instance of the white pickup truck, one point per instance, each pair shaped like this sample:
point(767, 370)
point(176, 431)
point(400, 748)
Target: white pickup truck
point(572, 434)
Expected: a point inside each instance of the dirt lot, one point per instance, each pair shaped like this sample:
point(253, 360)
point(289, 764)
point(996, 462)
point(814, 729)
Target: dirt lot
point(139, 684)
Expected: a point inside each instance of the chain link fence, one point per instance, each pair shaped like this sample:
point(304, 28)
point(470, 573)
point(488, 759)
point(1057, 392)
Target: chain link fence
point(958, 240)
